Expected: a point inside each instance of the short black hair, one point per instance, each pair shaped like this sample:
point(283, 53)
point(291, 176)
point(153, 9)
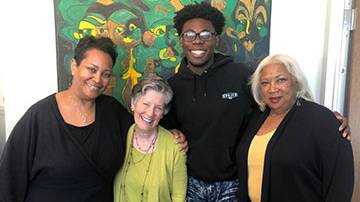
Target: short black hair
point(90, 42)
point(204, 11)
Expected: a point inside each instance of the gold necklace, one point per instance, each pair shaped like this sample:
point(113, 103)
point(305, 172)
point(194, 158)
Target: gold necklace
point(83, 116)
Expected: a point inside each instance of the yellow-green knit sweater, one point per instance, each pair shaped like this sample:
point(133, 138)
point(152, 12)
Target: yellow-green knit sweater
point(167, 178)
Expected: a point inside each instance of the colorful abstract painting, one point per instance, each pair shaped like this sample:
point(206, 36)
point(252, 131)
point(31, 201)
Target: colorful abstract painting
point(146, 39)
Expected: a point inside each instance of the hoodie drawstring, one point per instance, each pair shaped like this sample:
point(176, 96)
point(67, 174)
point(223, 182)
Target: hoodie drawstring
point(194, 89)
point(205, 86)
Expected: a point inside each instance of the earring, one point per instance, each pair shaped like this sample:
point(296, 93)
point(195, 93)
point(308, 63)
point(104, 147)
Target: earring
point(298, 103)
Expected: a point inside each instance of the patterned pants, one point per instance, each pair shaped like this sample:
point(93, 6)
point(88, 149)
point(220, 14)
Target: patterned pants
point(222, 191)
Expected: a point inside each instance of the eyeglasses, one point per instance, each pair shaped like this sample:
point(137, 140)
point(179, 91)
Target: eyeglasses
point(191, 36)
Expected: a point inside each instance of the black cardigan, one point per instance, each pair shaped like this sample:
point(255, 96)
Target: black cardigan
point(305, 160)
point(42, 161)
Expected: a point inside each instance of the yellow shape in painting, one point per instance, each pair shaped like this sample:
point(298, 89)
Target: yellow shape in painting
point(167, 54)
point(177, 68)
point(131, 73)
point(128, 40)
point(159, 30)
point(89, 26)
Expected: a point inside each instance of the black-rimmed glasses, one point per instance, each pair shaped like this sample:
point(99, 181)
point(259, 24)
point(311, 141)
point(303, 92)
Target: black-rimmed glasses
point(191, 36)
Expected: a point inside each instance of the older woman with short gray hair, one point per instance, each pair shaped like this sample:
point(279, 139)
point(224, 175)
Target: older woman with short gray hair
point(154, 168)
point(156, 83)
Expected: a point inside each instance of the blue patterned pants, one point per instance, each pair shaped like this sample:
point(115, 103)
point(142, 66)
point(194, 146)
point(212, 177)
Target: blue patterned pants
point(198, 191)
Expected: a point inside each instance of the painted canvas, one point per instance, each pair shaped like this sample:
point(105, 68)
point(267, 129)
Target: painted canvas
point(146, 39)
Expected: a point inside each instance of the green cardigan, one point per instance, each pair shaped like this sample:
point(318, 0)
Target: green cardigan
point(167, 178)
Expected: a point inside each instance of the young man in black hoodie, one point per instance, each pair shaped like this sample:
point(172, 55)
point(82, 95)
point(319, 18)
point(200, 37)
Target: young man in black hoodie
point(210, 105)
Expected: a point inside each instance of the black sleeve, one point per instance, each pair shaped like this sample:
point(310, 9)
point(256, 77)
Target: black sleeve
point(16, 160)
point(247, 88)
point(125, 118)
point(340, 186)
point(337, 163)
point(169, 121)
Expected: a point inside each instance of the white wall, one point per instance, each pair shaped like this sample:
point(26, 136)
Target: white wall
point(312, 32)
point(2, 116)
point(28, 55)
point(298, 28)
point(1, 90)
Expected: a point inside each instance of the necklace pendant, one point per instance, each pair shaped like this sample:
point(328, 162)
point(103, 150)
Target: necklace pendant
point(83, 118)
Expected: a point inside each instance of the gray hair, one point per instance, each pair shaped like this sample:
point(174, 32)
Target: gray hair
point(153, 82)
point(302, 88)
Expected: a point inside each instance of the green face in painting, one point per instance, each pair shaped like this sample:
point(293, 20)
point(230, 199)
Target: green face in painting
point(166, 43)
point(93, 24)
point(160, 50)
point(124, 28)
point(252, 18)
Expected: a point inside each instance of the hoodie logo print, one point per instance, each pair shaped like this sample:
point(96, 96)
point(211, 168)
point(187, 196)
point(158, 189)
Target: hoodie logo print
point(229, 95)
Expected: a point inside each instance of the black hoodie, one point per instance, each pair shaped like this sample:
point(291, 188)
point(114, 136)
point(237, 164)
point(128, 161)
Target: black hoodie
point(210, 109)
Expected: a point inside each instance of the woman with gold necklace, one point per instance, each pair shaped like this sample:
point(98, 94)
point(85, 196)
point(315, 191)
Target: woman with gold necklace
point(154, 167)
point(69, 146)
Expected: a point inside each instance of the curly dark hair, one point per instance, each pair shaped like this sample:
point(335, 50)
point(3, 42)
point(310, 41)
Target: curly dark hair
point(204, 11)
point(101, 43)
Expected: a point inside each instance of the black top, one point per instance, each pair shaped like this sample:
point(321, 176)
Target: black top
point(43, 161)
point(210, 110)
point(82, 134)
point(306, 158)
